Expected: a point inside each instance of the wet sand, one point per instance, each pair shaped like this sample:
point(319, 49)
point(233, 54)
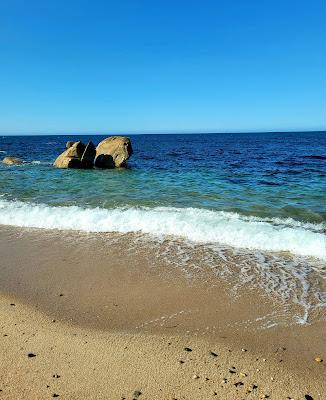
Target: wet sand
point(108, 321)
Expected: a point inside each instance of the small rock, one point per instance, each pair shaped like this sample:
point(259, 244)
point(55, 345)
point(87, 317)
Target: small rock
point(181, 362)
point(242, 374)
point(12, 304)
point(56, 376)
point(213, 354)
point(244, 350)
point(318, 359)
point(224, 380)
point(55, 395)
point(238, 384)
point(308, 397)
point(195, 377)
point(136, 394)
point(12, 161)
point(264, 396)
point(187, 349)
point(69, 144)
point(30, 355)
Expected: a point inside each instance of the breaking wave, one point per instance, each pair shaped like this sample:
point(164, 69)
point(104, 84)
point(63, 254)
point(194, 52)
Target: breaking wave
point(193, 224)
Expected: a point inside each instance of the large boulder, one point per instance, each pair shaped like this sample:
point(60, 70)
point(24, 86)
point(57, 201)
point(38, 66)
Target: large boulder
point(87, 158)
point(113, 152)
point(12, 161)
point(70, 158)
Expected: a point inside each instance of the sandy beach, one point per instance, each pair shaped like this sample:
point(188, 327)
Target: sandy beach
point(104, 324)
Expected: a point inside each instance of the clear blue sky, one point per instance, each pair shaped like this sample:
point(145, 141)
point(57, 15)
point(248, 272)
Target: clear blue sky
point(142, 66)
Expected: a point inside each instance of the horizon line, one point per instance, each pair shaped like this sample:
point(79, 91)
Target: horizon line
point(159, 132)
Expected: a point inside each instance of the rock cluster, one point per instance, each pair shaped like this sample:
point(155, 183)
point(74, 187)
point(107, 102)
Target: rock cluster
point(112, 152)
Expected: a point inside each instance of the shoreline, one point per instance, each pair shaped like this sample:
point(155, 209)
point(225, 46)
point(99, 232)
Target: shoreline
point(119, 300)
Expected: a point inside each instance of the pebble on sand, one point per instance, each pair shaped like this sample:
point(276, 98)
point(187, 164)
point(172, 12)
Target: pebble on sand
point(195, 377)
point(318, 359)
point(136, 394)
point(30, 355)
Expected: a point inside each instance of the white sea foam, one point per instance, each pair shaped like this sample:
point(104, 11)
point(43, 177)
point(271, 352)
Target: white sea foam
point(196, 225)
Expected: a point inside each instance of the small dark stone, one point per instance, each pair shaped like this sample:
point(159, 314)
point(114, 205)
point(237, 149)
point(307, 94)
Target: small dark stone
point(254, 386)
point(30, 355)
point(55, 395)
point(213, 354)
point(61, 294)
point(12, 304)
point(231, 371)
point(238, 384)
point(136, 394)
point(187, 349)
point(181, 362)
point(308, 397)
point(56, 376)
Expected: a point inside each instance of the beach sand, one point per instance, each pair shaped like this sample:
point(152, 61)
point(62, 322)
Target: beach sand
point(109, 321)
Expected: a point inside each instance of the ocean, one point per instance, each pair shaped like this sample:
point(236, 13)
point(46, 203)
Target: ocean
point(255, 202)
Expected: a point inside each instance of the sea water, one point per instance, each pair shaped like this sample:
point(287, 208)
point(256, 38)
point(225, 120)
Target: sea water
point(261, 195)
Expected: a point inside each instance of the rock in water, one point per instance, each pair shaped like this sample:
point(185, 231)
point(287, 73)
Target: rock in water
point(70, 143)
point(12, 161)
point(87, 159)
point(113, 152)
point(71, 158)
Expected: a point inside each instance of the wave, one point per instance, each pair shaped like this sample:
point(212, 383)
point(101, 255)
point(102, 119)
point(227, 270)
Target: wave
point(193, 224)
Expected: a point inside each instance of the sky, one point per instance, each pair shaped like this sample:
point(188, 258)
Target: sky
point(162, 66)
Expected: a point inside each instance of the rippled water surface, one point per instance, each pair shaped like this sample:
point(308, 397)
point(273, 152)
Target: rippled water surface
point(267, 175)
